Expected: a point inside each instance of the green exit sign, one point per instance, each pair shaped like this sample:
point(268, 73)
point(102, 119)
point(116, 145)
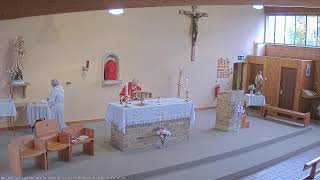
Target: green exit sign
point(240, 58)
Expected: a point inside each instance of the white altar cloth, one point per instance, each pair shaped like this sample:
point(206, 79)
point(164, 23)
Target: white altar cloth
point(168, 109)
point(7, 108)
point(254, 100)
point(37, 111)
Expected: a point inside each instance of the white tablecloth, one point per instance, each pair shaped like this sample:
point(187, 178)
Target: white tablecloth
point(254, 100)
point(7, 108)
point(37, 111)
point(168, 109)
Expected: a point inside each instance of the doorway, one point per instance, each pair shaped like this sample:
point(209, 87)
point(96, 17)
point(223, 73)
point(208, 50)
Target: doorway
point(287, 88)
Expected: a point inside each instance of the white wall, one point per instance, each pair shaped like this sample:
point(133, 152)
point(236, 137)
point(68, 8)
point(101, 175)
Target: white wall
point(150, 42)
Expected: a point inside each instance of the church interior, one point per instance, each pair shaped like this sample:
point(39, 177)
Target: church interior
point(179, 89)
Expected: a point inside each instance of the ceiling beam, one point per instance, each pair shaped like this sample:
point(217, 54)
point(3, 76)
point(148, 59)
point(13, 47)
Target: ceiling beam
point(10, 9)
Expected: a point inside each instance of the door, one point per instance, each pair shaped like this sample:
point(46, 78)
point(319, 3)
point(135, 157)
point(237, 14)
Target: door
point(287, 88)
point(237, 76)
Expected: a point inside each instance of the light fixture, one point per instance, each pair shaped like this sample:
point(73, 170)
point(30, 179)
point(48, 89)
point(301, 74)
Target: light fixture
point(116, 11)
point(258, 7)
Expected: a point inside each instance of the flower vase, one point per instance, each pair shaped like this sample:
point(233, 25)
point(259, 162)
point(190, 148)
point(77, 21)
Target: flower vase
point(251, 92)
point(163, 142)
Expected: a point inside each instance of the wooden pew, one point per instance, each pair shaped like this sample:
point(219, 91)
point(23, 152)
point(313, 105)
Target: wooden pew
point(48, 134)
point(293, 114)
point(77, 130)
point(25, 147)
point(314, 171)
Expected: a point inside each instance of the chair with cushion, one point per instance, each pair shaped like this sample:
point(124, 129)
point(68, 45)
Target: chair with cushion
point(25, 147)
point(77, 132)
point(49, 134)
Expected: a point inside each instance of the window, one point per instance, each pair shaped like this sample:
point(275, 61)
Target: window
point(300, 30)
point(279, 32)
point(270, 29)
point(312, 29)
point(290, 30)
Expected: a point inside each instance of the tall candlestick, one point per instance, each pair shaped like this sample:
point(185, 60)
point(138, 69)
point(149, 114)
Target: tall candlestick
point(180, 74)
point(187, 84)
point(179, 82)
point(126, 90)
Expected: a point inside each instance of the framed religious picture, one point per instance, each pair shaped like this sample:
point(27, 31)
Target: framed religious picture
point(220, 70)
point(308, 70)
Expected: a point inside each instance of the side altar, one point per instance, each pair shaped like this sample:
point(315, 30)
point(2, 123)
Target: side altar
point(134, 126)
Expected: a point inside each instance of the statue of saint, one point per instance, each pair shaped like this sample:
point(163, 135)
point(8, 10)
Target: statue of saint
point(110, 70)
point(259, 81)
point(20, 51)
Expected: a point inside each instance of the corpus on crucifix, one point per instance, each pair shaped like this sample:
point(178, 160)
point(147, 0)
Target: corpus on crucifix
point(195, 16)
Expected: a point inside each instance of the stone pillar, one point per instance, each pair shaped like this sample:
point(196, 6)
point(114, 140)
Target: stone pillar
point(225, 109)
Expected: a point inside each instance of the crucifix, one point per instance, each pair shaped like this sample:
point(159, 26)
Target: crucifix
point(195, 16)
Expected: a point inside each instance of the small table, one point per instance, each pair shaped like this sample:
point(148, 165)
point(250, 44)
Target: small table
point(36, 111)
point(8, 109)
point(255, 100)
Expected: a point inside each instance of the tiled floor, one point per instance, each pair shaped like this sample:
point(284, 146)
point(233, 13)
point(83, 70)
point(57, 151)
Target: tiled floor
point(290, 169)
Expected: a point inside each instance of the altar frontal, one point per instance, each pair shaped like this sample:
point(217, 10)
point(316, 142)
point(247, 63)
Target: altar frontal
point(134, 126)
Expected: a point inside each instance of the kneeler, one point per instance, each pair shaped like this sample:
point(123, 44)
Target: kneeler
point(25, 147)
point(77, 130)
point(50, 136)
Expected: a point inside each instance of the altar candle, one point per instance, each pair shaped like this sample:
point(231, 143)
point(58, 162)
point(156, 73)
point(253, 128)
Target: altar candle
point(126, 90)
point(180, 74)
point(187, 84)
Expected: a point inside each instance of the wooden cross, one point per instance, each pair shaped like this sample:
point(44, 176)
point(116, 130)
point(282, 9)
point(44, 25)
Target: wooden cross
point(195, 16)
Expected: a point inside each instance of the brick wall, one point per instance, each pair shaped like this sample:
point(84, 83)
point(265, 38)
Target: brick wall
point(139, 136)
point(225, 109)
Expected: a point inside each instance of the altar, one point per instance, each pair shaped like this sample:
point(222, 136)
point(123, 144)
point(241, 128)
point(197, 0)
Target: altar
point(134, 126)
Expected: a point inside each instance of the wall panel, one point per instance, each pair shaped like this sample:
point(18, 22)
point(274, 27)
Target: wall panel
point(272, 75)
point(295, 52)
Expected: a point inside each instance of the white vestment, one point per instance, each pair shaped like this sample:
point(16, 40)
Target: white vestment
point(56, 104)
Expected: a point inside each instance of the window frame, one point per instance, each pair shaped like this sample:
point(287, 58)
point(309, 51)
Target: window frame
point(295, 27)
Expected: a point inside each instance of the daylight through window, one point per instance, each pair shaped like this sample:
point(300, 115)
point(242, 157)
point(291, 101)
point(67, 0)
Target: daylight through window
point(300, 30)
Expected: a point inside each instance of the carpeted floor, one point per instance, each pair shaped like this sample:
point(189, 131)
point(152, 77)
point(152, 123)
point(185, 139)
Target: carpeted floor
point(108, 162)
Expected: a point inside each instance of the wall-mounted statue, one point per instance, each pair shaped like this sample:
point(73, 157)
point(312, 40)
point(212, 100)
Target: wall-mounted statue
point(15, 71)
point(259, 82)
point(111, 69)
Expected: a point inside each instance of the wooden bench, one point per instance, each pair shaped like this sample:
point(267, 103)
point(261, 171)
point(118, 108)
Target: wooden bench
point(314, 171)
point(25, 147)
point(76, 131)
point(293, 114)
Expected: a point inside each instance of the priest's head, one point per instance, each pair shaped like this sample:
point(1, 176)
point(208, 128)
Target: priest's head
point(54, 82)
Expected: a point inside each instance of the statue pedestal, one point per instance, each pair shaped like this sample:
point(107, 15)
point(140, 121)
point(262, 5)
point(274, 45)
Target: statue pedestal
point(21, 84)
point(111, 82)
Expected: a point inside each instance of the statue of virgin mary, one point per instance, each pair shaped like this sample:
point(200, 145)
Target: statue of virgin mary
point(259, 82)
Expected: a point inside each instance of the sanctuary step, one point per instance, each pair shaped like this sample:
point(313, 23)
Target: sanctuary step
point(246, 163)
point(206, 145)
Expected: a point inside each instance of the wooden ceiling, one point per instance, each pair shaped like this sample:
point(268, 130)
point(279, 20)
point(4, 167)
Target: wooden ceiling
point(10, 9)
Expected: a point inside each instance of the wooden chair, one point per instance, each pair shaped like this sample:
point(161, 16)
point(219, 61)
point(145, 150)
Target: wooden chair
point(49, 134)
point(314, 173)
point(77, 130)
point(25, 147)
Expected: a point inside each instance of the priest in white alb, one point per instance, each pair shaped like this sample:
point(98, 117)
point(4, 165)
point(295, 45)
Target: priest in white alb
point(56, 103)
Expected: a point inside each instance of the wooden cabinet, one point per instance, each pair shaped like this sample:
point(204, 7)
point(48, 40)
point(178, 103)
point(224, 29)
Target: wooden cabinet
point(284, 79)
